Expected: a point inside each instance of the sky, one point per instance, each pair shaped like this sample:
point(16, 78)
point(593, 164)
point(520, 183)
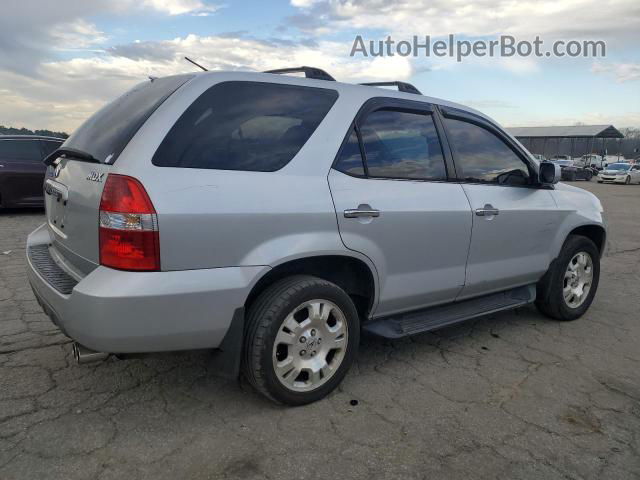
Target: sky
point(61, 60)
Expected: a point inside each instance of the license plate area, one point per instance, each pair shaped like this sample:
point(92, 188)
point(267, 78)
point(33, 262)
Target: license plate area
point(56, 197)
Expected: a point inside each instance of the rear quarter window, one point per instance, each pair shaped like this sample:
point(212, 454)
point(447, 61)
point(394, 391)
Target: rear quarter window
point(250, 126)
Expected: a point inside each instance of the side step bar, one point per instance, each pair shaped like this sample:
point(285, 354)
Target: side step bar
point(411, 323)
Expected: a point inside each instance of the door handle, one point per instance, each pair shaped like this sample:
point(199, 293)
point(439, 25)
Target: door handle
point(361, 212)
point(487, 211)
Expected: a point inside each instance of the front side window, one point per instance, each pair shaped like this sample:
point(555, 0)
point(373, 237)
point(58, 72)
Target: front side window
point(248, 126)
point(402, 145)
point(22, 150)
point(483, 157)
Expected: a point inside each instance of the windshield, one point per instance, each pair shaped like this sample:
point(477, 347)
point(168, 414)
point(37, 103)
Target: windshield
point(619, 166)
point(105, 134)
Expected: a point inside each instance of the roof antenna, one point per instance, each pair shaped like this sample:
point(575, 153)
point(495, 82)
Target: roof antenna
point(196, 64)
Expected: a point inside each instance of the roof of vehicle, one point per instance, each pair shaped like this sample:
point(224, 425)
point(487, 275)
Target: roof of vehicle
point(30, 137)
point(341, 87)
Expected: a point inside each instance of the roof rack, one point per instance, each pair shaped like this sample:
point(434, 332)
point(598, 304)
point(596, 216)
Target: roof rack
point(309, 72)
point(402, 86)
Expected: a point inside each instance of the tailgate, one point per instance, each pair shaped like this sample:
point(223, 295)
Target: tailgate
point(72, 201)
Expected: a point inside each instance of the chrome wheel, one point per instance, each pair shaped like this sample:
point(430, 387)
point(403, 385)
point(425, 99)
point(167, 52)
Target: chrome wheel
point(578, 279)
point(310, 345)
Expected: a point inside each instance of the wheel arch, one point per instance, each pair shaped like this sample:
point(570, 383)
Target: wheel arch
point(596, 233)
point(354, 275)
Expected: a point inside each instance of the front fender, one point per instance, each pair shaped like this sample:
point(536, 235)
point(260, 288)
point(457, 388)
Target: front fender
point(578, 208)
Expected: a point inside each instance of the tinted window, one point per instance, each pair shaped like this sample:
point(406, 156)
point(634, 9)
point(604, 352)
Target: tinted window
point(105, 134)
point(483, 157)
point(402, 145)
point(350, 160)
point(25, 150)
point(245, 126)
point(49, 146)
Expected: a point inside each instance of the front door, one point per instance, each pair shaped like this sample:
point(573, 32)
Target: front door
point(514, 221)
point(394, 204)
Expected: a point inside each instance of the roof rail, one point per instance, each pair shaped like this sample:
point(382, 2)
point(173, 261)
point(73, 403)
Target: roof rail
point(402, 86)
point(309, 72)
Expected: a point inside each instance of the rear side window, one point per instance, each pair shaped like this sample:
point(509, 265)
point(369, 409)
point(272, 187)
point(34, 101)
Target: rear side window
point(248, 126)
point(402, 145)
point(483, 157)
point(23, 150)
point(105, 134)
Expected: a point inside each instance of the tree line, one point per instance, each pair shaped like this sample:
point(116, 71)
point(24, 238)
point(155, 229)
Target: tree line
point(25, 131)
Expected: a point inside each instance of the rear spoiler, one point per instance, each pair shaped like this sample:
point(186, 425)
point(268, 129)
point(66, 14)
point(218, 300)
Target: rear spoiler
point(69, 152)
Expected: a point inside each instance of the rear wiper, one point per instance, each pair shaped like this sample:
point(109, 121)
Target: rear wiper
point(71, 152)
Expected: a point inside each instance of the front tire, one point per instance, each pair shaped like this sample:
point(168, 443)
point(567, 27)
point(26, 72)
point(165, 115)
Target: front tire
point(567, 289)
point(302, 336)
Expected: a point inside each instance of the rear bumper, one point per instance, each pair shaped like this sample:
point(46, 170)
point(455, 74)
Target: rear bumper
point(131, 312)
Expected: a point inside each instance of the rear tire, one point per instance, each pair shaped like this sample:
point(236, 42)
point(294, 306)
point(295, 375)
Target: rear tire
point(558, 291)
point(301, 337)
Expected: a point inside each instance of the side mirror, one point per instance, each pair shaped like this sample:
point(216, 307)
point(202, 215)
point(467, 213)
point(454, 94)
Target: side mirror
point(550, 173)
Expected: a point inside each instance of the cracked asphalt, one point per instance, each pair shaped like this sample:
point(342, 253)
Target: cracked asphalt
point(512, 396)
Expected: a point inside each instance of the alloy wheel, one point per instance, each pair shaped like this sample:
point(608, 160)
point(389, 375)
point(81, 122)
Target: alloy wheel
point(310, 345)
point(578, 278)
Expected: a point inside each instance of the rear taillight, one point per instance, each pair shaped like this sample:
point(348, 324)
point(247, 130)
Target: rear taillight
point(129, 237)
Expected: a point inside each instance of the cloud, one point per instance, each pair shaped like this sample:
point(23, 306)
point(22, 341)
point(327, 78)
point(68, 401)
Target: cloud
point(63, 93)
point(32, 30)
point(555, 18)
point(76, 35)
point(622, 72)
point(180, 7)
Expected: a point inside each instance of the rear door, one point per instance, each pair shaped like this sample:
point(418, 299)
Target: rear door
point(514, 219)
point(22, 172)
point(394, 203)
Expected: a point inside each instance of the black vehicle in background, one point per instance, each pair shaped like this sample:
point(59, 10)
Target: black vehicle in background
point(21, 169)
point(571, 171)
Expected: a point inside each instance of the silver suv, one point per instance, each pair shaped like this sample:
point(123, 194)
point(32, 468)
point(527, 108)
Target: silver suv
point(275, 218)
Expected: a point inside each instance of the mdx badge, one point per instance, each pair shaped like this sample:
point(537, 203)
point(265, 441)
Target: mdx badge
point(95, 177)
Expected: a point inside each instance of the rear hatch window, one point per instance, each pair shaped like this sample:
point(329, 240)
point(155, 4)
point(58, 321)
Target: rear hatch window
point(251, 126)
point(105, 134)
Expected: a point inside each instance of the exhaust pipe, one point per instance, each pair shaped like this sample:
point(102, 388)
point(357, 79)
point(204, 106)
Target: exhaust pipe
point(84, 355)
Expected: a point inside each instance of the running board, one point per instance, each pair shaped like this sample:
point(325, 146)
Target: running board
point(403, 324)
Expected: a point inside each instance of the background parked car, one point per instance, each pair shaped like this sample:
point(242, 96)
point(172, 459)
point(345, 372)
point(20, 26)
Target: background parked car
point(21, 169)
point(539, 157)
point(620, 173)
point(573, 172)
